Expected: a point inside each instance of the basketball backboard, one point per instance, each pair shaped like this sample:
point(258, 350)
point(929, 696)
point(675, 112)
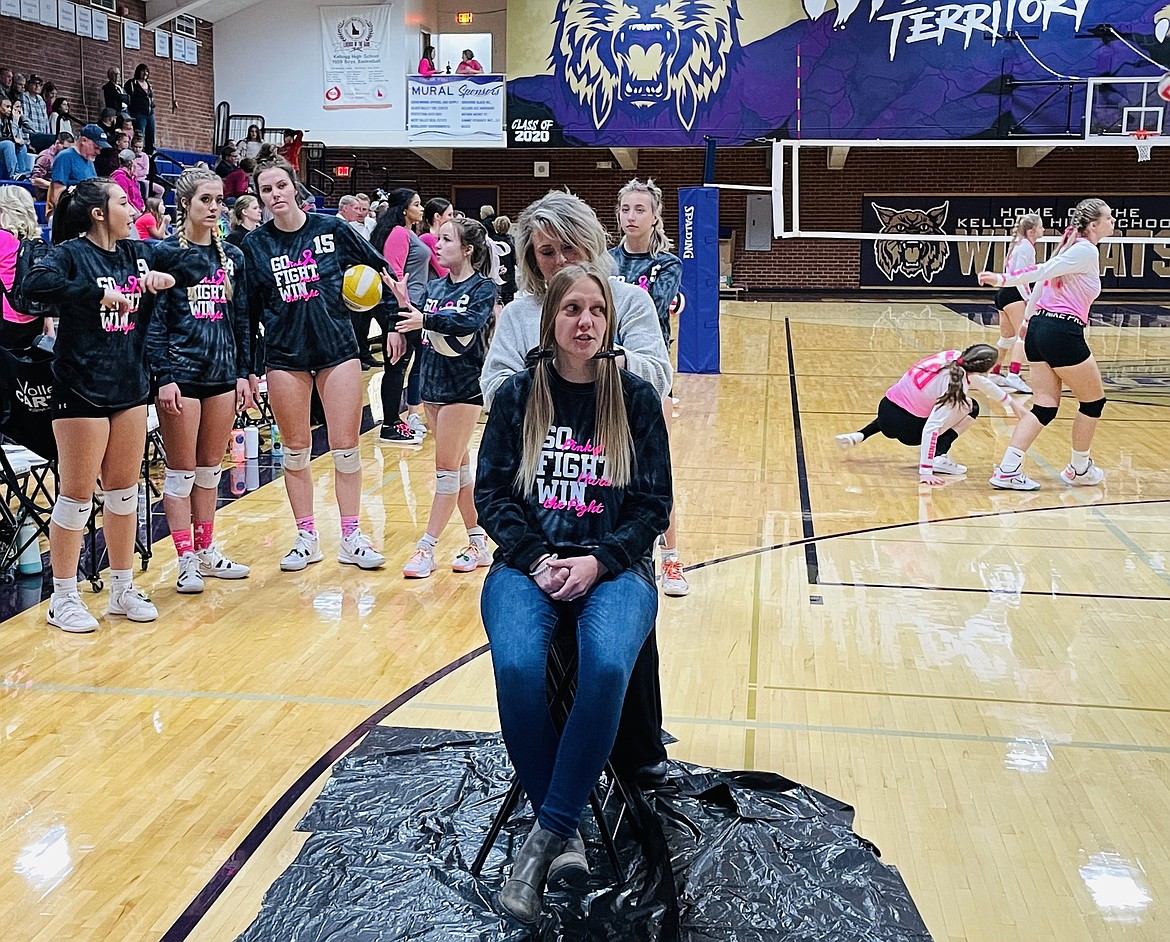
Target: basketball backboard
point(1118, 107)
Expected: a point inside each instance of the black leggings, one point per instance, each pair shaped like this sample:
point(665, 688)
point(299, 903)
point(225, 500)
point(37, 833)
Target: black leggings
point(895, 422)
point(395, 376)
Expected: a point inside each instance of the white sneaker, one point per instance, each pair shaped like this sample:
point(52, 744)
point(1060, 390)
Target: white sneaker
point(1013, 382)
point(849, 439)
point(417, 425)
point(1016, 481)
point(999, 379)
point(213, 564)
point(472, 557)
point(132, 602)
point(69, 613)
point(190, 581)
point(674, 583)
point(1087, 478)
point(356, 550)
point(306, 550)
point(420, 565)
point(943, 464)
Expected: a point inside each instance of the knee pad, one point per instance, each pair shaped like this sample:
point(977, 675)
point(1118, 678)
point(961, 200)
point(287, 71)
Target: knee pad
point(297, 459)
point(465, 477)
point(208, 477)
point(70, 514)
point(1006, 343)
point(122, 501)
point(1044, 414)
point(974, 409)
point(1093, 409)
point(179, 483)
point(347, 460)
point(446, 482)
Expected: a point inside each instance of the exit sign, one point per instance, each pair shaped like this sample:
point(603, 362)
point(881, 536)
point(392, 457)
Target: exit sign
point(343, 171)
point(463, 19)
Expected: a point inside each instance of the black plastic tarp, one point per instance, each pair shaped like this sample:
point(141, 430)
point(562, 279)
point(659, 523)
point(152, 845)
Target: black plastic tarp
point(719, 856)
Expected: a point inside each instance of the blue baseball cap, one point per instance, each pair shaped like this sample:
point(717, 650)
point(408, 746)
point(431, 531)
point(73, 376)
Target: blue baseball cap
point(95, 133)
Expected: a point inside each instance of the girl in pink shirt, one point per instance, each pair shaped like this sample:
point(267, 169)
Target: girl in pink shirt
point(124, 177)
point(929, 407)
point(435, 213)
point(1054, 343)
point(426, 65)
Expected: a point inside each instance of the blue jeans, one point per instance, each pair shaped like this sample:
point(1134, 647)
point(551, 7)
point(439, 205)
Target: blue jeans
point(557, 772)
point(144, 125)
point(14, 160)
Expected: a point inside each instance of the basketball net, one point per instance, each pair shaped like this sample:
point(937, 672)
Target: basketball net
point(1141, 140)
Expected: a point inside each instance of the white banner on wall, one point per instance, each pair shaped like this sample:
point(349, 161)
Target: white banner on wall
point(84, 22)
point(10, 7)
point(30, 10)
point(49, 13)
point(355, 47)
point(162, 44)
point(446, 108)
point(131, 34)
point(101, 26)
point(67, 16)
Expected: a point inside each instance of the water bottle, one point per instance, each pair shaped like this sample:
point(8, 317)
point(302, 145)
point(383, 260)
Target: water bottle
point(251, 441)
point(238, 480)
point(29, 563)
point(238, 446)
point(251, 475)
point(143, 511)
point(277, 443)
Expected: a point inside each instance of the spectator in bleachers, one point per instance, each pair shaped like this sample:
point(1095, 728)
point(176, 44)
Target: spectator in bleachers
point(124, 177)
point(142, 169)
point(250, 146)
point(236, 183)
point(42, 174)
point(18, 222)
point(107, 161)
point(354, 211)
point(49, 93)
point(114, 96)
point(15, 160)
point(61, 119)
point(229, 160)
point(152, 224)
point(108, 121)
point(290, 150)
point(142, 104)
point(35, 113)
point(5, 79)
point(75, 163)
point(15, 86)
point(245, 217)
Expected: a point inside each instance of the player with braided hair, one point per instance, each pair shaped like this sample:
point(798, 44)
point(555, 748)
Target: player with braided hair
point(199, 350)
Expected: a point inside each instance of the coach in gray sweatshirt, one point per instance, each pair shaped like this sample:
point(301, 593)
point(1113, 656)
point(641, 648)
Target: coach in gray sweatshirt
point(557, 230)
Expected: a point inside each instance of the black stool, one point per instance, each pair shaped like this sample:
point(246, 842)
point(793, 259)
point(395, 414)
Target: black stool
point(561, 682)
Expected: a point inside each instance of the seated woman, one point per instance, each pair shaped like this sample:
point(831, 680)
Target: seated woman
point(575, 513)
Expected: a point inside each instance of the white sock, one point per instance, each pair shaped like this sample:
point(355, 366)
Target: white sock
point(121, 578)
point(1080, 461)
point(669, 555)
point(478, 536)
point(64, 586)
point(1013, 460)
point(428, 542)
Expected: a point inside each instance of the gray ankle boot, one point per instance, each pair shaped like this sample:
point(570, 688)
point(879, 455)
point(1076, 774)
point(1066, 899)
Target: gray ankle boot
point(571, 868)
point(523, 894)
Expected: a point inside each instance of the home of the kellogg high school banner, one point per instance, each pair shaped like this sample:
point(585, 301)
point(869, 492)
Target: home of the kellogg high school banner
point(652, 73)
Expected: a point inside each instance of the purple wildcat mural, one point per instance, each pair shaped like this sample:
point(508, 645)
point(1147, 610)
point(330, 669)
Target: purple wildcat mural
point(670, 72)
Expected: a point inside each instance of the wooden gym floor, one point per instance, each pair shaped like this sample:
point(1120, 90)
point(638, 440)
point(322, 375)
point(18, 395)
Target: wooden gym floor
point(982, 674)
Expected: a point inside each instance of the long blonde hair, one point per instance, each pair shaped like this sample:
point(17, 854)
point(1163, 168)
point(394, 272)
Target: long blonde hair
point(1024, 224)
point(659, 240)
point(611, 424)
point(559, 215)
point(17, 213)
point(185, 189)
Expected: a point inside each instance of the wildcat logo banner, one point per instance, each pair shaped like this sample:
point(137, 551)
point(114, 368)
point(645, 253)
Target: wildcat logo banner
point(355, 48)
point(910, 263)
point(644, 73)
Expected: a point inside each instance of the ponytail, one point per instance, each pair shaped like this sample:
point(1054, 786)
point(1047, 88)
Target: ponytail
point(474, 234)
point(977, 358)
point(73, 215)
point(1082, 216)
point(1024, 224)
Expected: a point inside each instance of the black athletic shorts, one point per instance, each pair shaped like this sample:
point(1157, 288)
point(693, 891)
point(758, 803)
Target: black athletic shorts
point(67, 404)
point(200, 392)
point(906, 427)
point(1006, 296)
point(1056, 339)
point(469, 401)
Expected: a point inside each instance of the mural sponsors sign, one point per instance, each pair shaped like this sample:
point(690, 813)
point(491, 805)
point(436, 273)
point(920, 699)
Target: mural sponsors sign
point(912, 263)
point(355, 44)
point(446, 108)
point(638, 73)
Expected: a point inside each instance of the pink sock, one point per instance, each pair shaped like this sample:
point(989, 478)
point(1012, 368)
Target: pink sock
point(996, 369)
point(1016, 368)
point(308, 524)
point(203, 531)
point(348, 526)
point(183, 542)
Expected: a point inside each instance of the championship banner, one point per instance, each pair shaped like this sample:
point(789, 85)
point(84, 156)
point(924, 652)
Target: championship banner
point(921, 264)
point(355, 46)
point(698, 247)
point(445, 108)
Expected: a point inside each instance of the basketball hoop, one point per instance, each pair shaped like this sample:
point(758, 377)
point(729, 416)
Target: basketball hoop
point(1141, 140)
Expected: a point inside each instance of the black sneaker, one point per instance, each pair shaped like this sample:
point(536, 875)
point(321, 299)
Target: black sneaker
point(399, 434)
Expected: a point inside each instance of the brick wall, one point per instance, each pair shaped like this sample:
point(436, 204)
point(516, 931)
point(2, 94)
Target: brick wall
point(830, 199)
point(78, 68)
